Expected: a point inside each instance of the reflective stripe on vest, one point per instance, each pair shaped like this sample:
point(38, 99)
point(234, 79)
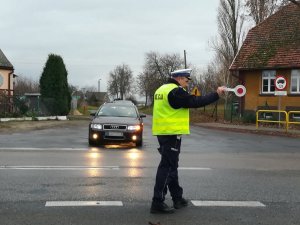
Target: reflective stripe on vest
point(167, 120)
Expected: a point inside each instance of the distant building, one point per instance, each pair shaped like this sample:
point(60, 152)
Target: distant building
point(33, 101)
point(96, 98)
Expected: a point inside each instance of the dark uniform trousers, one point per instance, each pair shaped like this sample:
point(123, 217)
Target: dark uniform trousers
point(167, 173)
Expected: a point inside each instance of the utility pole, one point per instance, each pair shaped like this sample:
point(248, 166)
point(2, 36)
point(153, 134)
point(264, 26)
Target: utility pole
point(99, 85)
point(184, 59)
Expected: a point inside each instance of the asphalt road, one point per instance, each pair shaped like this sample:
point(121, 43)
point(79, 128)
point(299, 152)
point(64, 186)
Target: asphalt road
point(56, 166)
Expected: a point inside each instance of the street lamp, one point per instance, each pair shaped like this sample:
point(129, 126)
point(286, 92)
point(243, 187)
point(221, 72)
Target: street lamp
point(99, 85)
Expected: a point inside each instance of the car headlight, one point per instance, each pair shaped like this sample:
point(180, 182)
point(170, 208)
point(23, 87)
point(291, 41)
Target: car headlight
point(135, 127)
point(96, 126)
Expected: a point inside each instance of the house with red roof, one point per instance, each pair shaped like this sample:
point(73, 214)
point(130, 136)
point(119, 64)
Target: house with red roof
point(271, 50)
point(6, 76)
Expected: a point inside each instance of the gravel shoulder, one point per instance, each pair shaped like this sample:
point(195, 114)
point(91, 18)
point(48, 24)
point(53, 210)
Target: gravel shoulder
point(23, 126)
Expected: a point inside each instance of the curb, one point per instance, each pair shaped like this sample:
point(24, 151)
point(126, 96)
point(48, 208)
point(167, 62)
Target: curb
point(39, 118)
point(253, 130)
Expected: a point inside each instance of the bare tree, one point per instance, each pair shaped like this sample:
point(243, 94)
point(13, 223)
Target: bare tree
point(162, 65)
point(295, 2)
point(230, 37)
point(226, 45)
point(113, 85)
point(26, 85)
point(157, 70)
point(121, 81)
point(142, 86)
point(259, 10)
point(210, 78)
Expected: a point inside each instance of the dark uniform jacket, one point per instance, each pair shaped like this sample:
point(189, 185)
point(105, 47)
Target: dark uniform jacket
point(179, 98)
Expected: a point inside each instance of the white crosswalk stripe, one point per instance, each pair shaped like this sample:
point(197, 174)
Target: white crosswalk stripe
point(59, 168)
point(49, 167)
point(196, 203)
point(193, 168)
point(82, 203)
point(43, 149)
point(228, 203)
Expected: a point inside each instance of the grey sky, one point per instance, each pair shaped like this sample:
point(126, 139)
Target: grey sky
point(94, 36)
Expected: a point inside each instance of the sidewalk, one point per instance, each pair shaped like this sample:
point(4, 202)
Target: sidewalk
point(251, 128)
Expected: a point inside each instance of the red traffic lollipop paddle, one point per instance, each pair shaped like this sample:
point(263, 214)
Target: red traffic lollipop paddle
point(239, 90)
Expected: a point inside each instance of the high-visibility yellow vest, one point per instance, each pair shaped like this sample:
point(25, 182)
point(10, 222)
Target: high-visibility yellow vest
point(167, 120)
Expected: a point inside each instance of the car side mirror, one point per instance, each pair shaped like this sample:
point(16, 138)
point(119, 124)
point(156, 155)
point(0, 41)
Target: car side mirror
point(142, 115)
point(93, 114)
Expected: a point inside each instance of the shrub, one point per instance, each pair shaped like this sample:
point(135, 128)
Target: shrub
point(249, 116)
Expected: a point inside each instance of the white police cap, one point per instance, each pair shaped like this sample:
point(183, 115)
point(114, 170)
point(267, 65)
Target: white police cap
point(182, 73)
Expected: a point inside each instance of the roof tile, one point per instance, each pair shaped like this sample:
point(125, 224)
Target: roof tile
point(274, 43)
point(4, 62)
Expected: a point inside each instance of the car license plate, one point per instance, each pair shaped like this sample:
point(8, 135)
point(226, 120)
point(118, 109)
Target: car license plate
point(115, 134)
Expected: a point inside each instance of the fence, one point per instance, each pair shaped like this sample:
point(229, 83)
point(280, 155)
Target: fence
point(14, 106)
point(6, 104)
point(221, 110)
point(278, 116)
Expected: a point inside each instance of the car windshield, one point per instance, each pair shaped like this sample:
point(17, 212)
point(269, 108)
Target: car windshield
point(117, 111)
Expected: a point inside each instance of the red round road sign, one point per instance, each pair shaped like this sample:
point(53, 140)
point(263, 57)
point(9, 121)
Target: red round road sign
point(280, 83)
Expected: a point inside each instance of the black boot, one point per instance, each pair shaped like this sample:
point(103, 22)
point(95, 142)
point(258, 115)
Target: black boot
point(180, 203)
point(161, 207)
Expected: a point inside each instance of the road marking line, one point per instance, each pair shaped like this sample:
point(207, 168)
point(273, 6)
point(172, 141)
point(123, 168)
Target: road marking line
point(82, 168)
point(228, 203)
point(59, 168)
point(45, 149)
point(83, 203)
point(193, 168)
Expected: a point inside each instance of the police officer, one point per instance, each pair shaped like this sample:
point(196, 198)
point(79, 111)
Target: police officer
point(170, 121)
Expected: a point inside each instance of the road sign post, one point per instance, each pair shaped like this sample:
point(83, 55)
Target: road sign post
point(280, 85)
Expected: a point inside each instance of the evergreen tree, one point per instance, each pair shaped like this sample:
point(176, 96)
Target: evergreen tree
point(54, 88)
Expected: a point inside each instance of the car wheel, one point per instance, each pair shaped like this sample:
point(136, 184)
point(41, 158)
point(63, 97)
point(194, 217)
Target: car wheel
point(139, 142)
point(91, 142)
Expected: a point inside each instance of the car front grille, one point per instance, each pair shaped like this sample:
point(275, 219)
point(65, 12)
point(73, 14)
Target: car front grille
point(114, 127)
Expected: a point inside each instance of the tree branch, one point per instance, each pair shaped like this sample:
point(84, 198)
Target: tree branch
point(295, 2)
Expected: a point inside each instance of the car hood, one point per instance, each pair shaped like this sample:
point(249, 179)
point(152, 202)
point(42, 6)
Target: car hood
point(115, 120)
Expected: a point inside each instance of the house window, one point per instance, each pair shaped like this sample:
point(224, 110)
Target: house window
point(1, 80)
point(268, 78)
point(295, 82)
